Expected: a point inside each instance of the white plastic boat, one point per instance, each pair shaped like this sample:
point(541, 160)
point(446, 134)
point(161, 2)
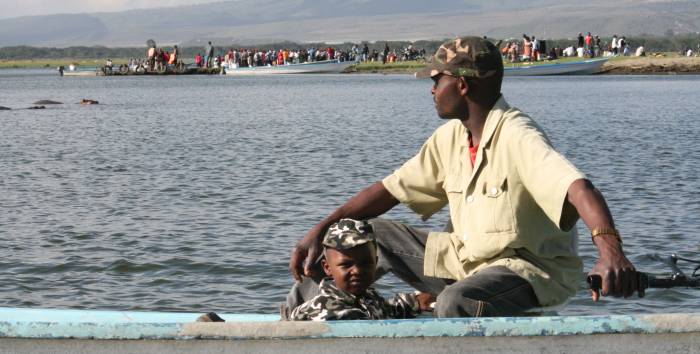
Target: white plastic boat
point(317, 67)
point(585, 67)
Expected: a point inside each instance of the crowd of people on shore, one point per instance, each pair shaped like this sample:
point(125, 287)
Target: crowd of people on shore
point(529, 48)
point(160, 59)
point(250, 57)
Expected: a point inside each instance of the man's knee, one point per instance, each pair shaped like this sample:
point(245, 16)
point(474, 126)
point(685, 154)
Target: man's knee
point(382, 229)
point(451, 302)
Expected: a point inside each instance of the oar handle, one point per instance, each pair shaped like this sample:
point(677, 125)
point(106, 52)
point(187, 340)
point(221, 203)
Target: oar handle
point(646, 281)
point(595, 282)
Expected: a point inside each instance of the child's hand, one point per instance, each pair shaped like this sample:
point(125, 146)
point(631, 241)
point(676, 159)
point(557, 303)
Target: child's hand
point(425, 301)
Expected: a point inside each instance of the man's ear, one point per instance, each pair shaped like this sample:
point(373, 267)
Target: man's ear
point(326, 267)
point(463, 86)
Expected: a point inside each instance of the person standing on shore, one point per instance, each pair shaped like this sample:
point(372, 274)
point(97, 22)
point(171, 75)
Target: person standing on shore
point(151, 63)
point(514, 202)
point(173, 57)
point(580, 40)
point(385, 53)
point(527, 48)
point(535, 49)
point(589, 44)
point(208, 55)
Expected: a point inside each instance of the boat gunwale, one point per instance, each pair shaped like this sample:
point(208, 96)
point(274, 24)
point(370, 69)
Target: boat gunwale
point(81, 324)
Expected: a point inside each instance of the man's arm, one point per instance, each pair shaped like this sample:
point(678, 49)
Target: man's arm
point(616, 271)
point(373, 201)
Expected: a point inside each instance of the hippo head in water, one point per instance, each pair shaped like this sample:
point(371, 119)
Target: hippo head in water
point(86, 101)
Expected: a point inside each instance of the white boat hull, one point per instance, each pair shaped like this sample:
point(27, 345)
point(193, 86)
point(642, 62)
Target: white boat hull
point(318, 67)
point(585, 67)
point(80, 331)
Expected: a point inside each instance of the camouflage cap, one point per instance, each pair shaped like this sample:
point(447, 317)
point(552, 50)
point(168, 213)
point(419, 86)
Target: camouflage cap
point(465, 56)
point(348, 233)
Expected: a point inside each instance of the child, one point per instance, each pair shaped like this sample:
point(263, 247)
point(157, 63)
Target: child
point(350, 263)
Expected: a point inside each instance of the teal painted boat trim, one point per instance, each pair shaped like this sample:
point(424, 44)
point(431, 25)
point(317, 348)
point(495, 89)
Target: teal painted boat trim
point(40, 323)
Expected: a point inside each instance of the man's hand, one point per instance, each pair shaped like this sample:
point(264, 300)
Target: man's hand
point(305, 254)
point(425, 301)
point(617, 274)
point(370, 202)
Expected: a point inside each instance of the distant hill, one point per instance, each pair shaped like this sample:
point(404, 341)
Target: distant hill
point(258, 21)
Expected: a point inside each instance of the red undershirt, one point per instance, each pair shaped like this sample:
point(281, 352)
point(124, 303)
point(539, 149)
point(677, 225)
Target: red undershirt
point(472, 149)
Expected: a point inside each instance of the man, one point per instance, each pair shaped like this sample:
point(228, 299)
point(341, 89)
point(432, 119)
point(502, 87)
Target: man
point(535, 49)
point(589, 44)
point(385, 52)
point(580, 40)
point(514, 202)
point(208, 55)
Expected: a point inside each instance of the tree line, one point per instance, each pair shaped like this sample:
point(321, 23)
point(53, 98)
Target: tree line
point(651, 44)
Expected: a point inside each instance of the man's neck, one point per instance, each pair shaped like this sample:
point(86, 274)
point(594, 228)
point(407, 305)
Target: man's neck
point(477, 119)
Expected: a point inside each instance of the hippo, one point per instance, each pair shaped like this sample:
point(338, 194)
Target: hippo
point(42, 102)
point(3, 108)
point(36, 107)
point(86, 101)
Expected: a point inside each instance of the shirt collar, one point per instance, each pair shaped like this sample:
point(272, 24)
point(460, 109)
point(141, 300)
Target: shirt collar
point(492, 120)
point(329, 287)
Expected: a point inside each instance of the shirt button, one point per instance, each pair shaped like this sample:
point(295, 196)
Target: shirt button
point(494, 191)
point(470, 199)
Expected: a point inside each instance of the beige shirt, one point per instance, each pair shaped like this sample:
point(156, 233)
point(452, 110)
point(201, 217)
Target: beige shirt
point(506, 210)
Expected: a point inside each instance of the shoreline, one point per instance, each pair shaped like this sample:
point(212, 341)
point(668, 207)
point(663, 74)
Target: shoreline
point(652, 65)
point(649, 65)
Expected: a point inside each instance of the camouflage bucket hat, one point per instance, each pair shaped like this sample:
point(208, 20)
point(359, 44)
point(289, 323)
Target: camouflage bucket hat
point(348, 233)
point(465, 56)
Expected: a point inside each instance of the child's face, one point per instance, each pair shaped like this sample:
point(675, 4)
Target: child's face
point(352, 269)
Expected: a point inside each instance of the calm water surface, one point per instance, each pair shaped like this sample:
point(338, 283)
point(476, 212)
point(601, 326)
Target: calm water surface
point(187, 193)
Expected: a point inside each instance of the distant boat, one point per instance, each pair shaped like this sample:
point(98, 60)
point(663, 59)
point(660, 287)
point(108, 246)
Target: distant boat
point(585, 67)
point(83, 73)
point(316, 67)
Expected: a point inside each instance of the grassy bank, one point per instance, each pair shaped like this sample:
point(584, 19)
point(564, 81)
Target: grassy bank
point(378, 67)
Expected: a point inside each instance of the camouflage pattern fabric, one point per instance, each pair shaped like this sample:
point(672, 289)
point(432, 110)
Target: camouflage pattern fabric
point(466, 56)
point(336, 304)
point(348, 233)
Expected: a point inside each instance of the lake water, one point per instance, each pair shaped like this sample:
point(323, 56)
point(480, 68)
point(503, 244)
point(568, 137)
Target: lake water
point(188, 193)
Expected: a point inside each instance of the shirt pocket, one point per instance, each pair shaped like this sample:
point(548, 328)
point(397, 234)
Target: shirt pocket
point(497, 205)
point(455, 189)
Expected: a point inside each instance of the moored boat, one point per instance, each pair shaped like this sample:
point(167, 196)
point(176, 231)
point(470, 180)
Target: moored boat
point(57, 331)
point(316, 67)
point(83, 73)
point(584, 67)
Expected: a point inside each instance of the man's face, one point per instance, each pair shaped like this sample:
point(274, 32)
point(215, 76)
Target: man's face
point(353, 269)
point(449, 102)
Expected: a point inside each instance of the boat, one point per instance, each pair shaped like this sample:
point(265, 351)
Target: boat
point(584, 67)
point(316, 67)
point(83, 73)
point(89, 331)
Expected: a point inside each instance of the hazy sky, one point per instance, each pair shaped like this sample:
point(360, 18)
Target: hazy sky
point(15, 8)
